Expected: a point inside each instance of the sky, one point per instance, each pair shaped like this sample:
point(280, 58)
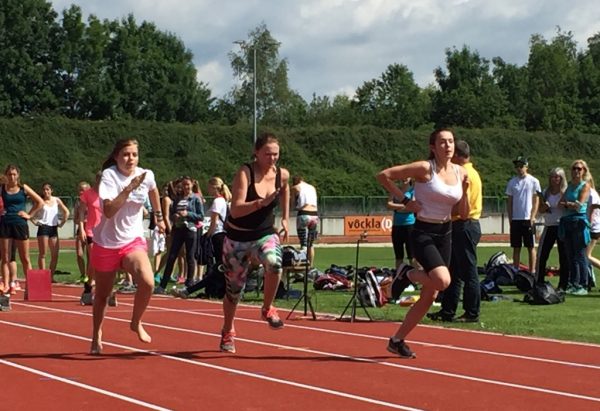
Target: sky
point(334, 46)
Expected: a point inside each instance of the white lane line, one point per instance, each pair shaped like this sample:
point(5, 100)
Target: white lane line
point(357, 359)
point(216, 367)
point(374, 337)
point(84, 386)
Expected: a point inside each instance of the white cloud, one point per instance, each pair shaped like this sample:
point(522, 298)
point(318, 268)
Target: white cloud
point(336, 45)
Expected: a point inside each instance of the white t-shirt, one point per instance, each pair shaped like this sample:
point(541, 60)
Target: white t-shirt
point(127, 224)
point(307, 195)
point(551, 218)
point(594, 200)
point(219, 205)
point(522, 190)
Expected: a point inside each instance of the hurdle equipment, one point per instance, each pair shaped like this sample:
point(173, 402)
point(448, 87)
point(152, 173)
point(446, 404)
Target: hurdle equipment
point(39, 285)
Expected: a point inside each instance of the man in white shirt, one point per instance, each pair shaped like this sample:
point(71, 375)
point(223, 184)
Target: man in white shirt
point(522, 207)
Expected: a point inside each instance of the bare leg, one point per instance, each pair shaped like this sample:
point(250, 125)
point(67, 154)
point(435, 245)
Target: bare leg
point(104, 286)
point(271, 283)
point(229, 309)
point(517, 256)
point(42, 246)
point(590, 248)
point(436, 280)
point(532, 256)
point(138, 264)
point(54, 244)
point(79, 249)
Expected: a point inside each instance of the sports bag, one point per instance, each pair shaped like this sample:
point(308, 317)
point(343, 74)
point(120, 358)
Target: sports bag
point(544, 294)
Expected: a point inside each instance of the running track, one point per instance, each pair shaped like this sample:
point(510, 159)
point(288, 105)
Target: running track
point(309, 365)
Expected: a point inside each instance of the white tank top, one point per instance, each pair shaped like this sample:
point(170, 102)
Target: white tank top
point(307, 195)
point(49, 213)
point(436, 197)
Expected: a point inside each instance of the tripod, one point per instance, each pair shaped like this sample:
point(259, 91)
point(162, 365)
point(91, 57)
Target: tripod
point(305, 297)
point(354, 298)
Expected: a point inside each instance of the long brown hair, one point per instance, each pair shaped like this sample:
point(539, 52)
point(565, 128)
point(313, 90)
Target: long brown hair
point(432, 138)
point(119, 145)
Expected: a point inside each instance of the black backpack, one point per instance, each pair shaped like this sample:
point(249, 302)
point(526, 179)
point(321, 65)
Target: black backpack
point(524, 280)
point(544, 294)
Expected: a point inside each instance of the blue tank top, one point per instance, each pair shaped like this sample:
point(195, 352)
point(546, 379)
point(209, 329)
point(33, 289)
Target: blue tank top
point(13, 203)
point(403, 217)
point(572, 195)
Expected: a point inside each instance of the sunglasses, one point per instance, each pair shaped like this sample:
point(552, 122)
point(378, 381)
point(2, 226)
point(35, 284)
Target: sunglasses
point(577, 168)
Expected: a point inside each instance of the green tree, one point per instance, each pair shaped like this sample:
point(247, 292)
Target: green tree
point(552, 83)
point(512, 81)
point(154, 74)
point(394, 100)
point(589, 84)
point(276, 103)
point(28, 41)
point(467, 95)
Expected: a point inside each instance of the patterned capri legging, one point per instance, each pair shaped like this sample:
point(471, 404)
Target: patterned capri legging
point(240, 256)
point(306, 227)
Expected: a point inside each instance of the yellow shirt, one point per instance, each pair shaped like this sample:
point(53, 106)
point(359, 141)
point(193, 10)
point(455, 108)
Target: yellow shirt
point(474, 193)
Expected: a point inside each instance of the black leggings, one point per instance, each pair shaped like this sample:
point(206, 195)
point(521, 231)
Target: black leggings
point(180, 236)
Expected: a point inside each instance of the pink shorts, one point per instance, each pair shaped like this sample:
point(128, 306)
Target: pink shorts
point(107, 260)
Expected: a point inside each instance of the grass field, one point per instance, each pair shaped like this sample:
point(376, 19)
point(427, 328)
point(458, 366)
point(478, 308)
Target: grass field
point(576, 319)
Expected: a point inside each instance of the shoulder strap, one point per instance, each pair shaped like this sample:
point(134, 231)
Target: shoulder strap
point(278, 179)
point(251, 172)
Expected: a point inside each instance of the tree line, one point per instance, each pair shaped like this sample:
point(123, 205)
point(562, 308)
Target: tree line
point(119, 69)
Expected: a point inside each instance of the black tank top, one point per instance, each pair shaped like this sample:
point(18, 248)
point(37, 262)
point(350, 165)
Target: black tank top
point(262, 218)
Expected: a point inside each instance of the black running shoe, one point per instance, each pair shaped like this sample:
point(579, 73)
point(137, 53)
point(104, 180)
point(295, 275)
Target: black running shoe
point(440, 316)
point(400, 348)
point(401, 281)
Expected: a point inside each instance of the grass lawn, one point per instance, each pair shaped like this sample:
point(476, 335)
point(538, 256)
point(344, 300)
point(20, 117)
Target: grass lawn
point(575, 320)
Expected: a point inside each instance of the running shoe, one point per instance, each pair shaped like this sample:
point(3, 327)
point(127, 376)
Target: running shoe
point(159, 290)
point(227, 341)
point(17, 285)
point(181, 280)
point(401, 280)
point(270, 316)
point(86, 299)
point(179, 292)
point(400, 348)
point(112, 300)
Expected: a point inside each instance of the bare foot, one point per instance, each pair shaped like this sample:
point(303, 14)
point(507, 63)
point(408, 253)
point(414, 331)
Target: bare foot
point(142, 334)
point(96, 348)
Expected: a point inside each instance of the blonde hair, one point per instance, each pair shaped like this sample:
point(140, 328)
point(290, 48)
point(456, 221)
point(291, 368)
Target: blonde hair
point(558, 171)
point(587, 175)
point(221, 187)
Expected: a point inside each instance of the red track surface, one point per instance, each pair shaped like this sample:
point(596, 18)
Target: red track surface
point(309, 365)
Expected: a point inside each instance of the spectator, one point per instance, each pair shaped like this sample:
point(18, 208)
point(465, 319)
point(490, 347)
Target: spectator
point(466, 233)
point(574, 229)
point(522, 207)
point(403, 223)
point(48, 221)
point(185, 212)
point(13, 227)
point(216, 232)
point(81, 248)
point(307, 216)
point(91, 208)
point(549, 199)
point(594, 219)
